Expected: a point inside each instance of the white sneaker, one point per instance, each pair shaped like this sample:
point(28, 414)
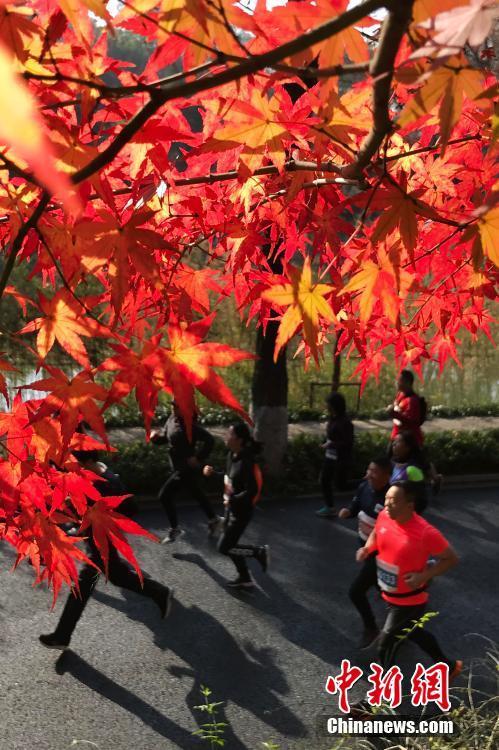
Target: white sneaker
point(172, 536)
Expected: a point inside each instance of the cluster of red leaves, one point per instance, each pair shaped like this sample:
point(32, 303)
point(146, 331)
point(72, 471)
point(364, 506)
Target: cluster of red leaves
point(396, 261)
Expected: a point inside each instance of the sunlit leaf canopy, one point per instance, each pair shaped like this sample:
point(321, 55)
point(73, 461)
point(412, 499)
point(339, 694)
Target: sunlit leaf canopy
point(356, 142)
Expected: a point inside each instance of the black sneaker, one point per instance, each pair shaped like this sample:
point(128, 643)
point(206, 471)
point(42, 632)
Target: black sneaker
point(241, 583)
point(165, 601)
point(50, 641)
point(263, 556)
point(172, 536)
point(368, 637)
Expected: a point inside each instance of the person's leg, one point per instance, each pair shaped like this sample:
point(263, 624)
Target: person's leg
point(73, 609)
point(428, 643)
point(123, 576)
point(398, 618)
point(327, 477)
point(166, 497)
point(237, 553)
point(193, 486)
point(365, 580)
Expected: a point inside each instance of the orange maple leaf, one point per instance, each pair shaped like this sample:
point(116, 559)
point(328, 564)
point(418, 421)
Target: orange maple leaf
point(21, 129)
point(446, 86)
point(382, 281)
point(63, 321)
point(256, 125)
point(488, 224)
point(136, 370)
point(306, 306)
point(73, 399)
point(123, 248)
point(188, 365)
point(109, 526)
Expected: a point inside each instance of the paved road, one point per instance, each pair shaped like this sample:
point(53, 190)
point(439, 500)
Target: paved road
point(435, 424)
point(132, 680)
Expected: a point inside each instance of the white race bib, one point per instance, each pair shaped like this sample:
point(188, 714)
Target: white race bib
point(387, 575)
point(366, 525)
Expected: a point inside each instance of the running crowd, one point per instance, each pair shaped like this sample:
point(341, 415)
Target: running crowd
point(399, 552)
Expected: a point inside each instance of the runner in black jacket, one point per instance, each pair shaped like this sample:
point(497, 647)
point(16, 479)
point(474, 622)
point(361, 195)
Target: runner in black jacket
point(187, 458)
point(242, 486)
point(365, 506)
point(119, 572)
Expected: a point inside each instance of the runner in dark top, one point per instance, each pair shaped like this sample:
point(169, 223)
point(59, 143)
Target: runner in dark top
point(119, 572)
point(187, 457)
point(338, 453)
point(242, 487)
point(365, 506)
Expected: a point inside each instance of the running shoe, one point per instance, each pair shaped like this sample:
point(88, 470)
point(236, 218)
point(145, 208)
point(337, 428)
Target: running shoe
point(49, 640)
point(262, 554)
point(173, 535)
point(326, 512)
point(241, 583)
point(215, 525)
point(368, 637)
point(456, 670)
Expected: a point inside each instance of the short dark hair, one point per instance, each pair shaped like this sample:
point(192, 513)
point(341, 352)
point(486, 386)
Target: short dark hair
point(407, 375)
point(337, 403)
point(411, 489)
point(243, 432)
point(383, 462)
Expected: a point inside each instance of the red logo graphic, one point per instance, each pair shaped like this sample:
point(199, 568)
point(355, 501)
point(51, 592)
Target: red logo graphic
point(431, 685)
point(427, 685)
point(341, 684)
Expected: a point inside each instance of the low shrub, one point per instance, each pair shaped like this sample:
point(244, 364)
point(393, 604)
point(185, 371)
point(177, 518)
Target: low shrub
point(144, 467)
point(127, 413)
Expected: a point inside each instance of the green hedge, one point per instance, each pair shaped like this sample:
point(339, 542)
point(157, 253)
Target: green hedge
point(127, 413)
point(143, 467)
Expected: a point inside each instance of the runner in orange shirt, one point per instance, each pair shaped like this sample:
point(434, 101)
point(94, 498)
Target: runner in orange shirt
point(404, 542)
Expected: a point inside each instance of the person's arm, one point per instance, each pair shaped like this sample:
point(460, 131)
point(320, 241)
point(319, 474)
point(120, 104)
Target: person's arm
point(369, 547)
point(247, 480)
point(445, 561)
point(158, 436)
point(410, 413)
point(352, 510)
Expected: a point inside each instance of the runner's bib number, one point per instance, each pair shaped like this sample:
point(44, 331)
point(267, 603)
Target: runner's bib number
point(387, 575)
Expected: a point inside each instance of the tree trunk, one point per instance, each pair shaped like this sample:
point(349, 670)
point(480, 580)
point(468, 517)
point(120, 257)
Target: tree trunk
point(336, 366)
point(269, 399)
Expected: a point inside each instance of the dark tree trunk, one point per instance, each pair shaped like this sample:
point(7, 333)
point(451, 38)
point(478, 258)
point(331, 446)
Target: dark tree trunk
point(336, 366)
point(269, 396)
point(269, 393)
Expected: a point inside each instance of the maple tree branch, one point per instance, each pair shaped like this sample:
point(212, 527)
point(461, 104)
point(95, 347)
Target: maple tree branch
point(426, 149)
point(381, 69)
point(438, 286)
point(254, 64)
point(333, 70)
point(17, 171)
point(18, 240)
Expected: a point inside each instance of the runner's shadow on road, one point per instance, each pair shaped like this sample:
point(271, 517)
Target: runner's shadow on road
point(248, 678)
point(72, 664)
point(307, 630)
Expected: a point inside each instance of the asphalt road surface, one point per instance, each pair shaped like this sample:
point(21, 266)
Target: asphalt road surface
point(132, 680)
